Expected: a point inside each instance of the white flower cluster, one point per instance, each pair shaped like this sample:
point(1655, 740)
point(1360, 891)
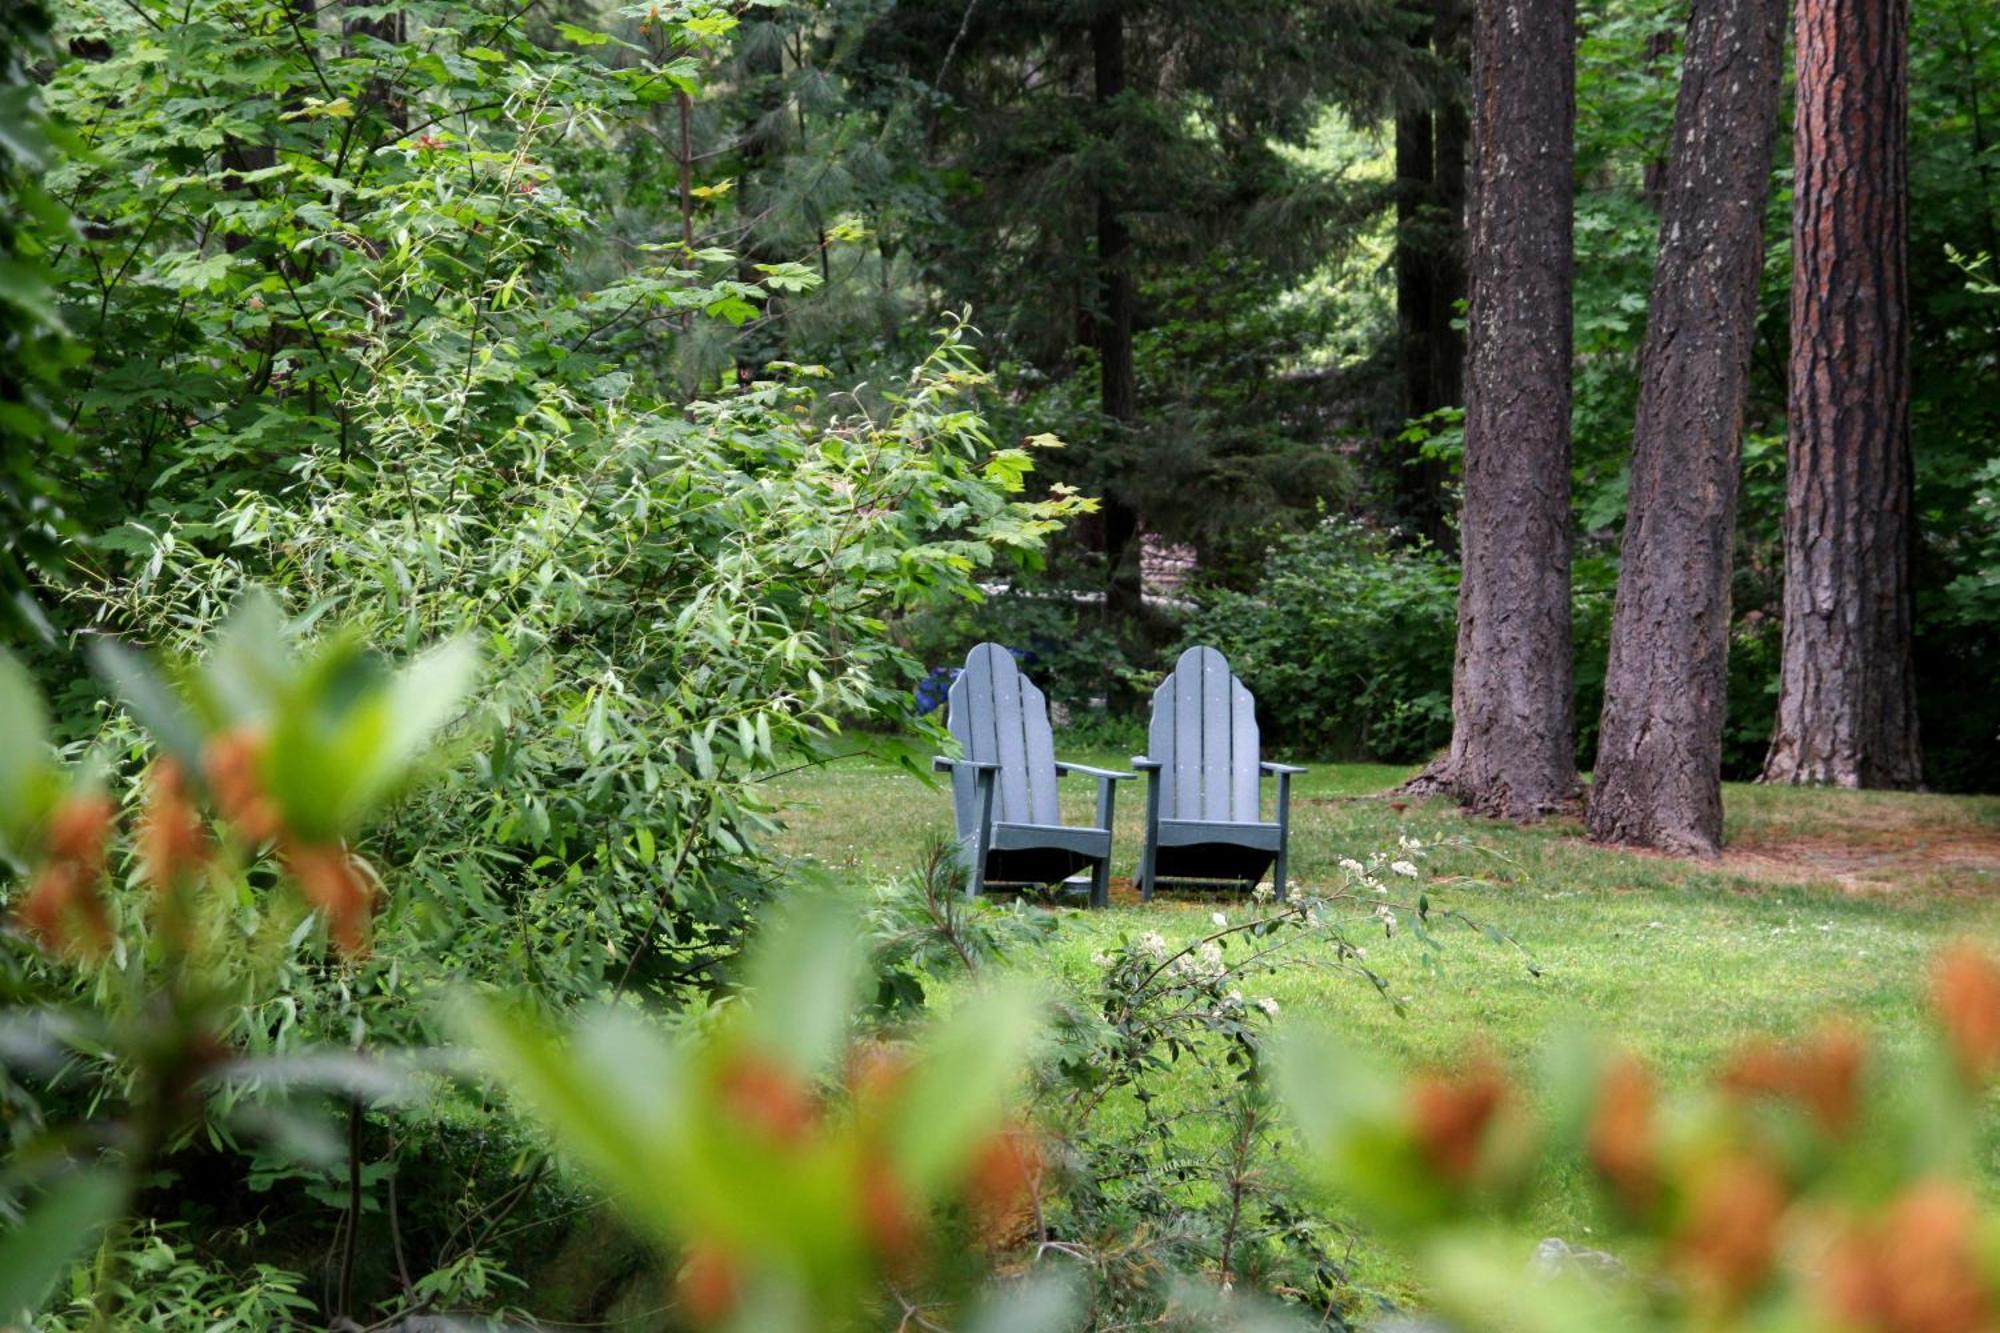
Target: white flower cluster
point(1265, 1003)
point(1204, 964)
point(1371, 874)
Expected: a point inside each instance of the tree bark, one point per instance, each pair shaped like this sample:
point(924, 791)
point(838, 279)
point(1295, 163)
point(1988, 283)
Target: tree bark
point(1118, 384)
point(1513, 712)
point(1450, 38)
point(1659, 750)
point(1847, 708)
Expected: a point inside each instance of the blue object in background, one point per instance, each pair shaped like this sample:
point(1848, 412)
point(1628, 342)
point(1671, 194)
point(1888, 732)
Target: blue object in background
point(934, 687)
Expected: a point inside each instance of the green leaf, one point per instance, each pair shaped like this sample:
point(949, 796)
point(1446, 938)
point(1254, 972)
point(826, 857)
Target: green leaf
point(156, 706)
point(961, 1087)
point(805, 976)
point(60, 1226)
point(613, 1096)
point(422, 698)
point(29, 779)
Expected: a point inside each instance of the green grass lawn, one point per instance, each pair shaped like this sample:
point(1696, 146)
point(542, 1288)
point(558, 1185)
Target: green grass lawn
point(1828, 902)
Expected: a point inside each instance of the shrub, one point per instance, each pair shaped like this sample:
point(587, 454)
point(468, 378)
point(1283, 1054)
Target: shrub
point(1346, 641)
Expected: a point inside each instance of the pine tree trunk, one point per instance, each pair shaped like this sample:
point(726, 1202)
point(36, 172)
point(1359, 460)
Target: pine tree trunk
point(1847, 710)
point(1513, 713)
point(1451, 39)
point(1659, 751)
point(1118, 384)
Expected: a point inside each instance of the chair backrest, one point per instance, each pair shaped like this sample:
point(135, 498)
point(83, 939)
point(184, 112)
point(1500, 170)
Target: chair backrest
point(1204, 735)
point(999, 716)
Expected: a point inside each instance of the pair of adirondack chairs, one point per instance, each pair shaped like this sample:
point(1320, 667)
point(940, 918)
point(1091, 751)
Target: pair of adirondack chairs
point(1204, 818)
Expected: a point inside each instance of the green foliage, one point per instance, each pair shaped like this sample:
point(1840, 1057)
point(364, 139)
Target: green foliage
point(675, 604)
point(33, 346)
point(288, 222)
point(165, 1284)
point(1347, 642)
point(922, 926)
point(1055, 621)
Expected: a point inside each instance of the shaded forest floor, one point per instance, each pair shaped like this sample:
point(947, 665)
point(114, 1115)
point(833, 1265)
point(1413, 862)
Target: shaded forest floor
point(1866, 842)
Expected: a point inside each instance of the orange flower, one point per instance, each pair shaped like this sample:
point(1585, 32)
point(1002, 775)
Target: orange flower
point(60, 891)
point(1730, 1234)
point(231, 763)
point(1620, 1138)
point(773, 1099)
point(65, 888)
point(1450, 1116)
point(1915, 1271)
point(171, 842)
point(1005, 1179)
point(1965, 992)
point(79, 828)
point(709, 1284)
point(331, 882)
point(1823, 1075)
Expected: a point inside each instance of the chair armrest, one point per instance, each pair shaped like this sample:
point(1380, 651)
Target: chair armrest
point(940, 763)
point(1145, 765)
point(1287, 769)
point(1107, 774)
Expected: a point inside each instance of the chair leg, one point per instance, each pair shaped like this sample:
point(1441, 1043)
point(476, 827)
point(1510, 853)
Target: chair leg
point(1100, 884)
point(1284, 835)
point(1148, 856)
point(975, 883)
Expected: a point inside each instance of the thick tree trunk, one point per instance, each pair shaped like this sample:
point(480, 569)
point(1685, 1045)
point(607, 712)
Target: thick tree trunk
point(1659, 750)
point(1513, 713)
point(1451, 38)
point(1118, 384)
point(1847, 709)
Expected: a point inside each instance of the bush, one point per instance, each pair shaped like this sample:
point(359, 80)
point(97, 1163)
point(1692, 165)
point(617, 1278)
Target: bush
point(1346, 641)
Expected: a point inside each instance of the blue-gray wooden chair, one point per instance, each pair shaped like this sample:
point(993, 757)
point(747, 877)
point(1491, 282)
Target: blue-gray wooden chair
point(1204, 808)
point(1004, 786)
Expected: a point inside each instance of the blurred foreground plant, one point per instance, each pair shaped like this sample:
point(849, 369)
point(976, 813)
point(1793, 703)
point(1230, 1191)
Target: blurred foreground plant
point(265, 764)
point(800, 1177)
point(1821, 1184)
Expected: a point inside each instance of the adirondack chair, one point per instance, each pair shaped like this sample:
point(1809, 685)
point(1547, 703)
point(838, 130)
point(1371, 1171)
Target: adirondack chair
point(1204, 813)
point(1004, 786)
